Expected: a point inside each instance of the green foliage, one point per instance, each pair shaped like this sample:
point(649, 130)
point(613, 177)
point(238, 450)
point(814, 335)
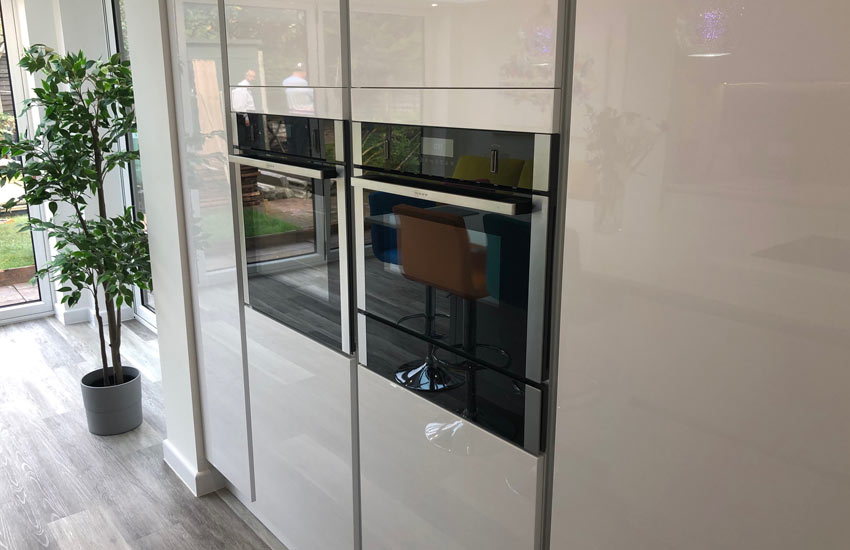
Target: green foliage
point(87, 110)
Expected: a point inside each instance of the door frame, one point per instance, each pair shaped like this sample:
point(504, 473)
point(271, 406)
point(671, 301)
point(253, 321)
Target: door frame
point(22, 83)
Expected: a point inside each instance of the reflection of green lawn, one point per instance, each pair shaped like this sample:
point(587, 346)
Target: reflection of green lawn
point(216, 226)
point(259, 223)
point(15, 248)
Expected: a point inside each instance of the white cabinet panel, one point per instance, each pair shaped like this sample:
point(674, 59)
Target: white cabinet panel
point(430, 480)
point(301, 416)
point(509, 110)
point(454, 43)
point(269, 41)
point(211, 241)
point(704, 382)
point(324, 102)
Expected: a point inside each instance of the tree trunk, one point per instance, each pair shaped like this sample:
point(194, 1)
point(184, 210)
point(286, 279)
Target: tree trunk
point(104, 362)
point(112, 320)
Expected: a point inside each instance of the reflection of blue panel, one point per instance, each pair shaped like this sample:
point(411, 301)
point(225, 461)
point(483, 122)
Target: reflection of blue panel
point(384, 241)
point(508, 253)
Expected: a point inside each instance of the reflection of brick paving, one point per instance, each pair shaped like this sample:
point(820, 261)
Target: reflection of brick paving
point(18, 294)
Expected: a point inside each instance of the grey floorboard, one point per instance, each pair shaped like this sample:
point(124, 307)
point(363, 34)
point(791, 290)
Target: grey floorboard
point(66, 489)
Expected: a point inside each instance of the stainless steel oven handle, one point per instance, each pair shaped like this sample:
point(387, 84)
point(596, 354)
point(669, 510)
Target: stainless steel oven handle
point(487, 205)
point(289, 169)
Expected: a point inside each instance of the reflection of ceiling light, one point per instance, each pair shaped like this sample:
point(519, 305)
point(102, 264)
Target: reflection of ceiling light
point(709, 54)
point(434, 5)
point(708, 28)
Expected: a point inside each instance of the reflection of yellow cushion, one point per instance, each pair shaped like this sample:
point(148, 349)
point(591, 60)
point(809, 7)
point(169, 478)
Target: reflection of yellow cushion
point(478, 169)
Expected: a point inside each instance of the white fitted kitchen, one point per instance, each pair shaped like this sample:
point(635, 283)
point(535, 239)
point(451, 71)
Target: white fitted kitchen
point(509, 275)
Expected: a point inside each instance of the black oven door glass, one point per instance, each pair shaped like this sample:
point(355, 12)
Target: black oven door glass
point(458, 274)
point(497, 404)
point(291, 232)
point(482, 157)
point(270, 136)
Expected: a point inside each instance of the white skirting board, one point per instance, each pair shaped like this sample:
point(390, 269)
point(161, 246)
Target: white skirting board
point(200, 482)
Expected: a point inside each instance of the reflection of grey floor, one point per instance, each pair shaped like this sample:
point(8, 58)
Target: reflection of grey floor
point(813, 251)
point(18, 294)
point(61, 487)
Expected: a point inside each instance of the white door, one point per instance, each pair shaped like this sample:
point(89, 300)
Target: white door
point(21, 252)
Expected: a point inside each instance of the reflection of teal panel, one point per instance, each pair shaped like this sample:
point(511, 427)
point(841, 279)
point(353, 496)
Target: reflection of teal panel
point(508, 253)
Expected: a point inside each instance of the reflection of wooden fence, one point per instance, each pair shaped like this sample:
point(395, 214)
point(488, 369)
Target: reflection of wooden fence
point(249, 176)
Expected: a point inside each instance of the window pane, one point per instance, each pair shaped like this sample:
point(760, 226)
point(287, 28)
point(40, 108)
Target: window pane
point(17, 259)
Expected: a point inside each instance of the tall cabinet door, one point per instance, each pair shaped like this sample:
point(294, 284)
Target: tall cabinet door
point(301, 417)
point(287, 55)
point(430, 479)
point(211, 243)
point(481, 44)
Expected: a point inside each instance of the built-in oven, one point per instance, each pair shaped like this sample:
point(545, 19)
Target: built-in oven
point(293, 218)
point(452, 260)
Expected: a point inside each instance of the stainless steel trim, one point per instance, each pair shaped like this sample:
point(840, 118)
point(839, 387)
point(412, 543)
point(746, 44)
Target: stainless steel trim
point(536, 290)
point(533, 419)
point(339, 141)
point(361, 339)
point(494, 161)
point(360, 244)
point(497, 207)
point(356, 143)
point(322, 213)
point(360, 271)
point(542, 158)
point(234, 136)
point(241, 281)
point(281, 167)
point(342, 223)
point(240, 229)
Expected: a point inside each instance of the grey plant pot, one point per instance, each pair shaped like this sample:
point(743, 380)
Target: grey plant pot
point(112, 410)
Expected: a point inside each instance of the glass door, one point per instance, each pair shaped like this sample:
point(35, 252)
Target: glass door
point(143, 304)
point(293, 238)
point(21, 252)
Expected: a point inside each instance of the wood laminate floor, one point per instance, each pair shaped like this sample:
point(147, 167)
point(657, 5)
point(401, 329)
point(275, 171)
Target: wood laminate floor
point(63, 488)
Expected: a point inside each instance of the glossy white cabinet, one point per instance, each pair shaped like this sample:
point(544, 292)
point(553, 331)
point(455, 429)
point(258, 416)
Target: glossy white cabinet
point(704, 381)
point(454, 43)
point(301, 419)
point(533, 111)
point(430, 480)
point(326, 102)
point(274, 38)
point(210, 238)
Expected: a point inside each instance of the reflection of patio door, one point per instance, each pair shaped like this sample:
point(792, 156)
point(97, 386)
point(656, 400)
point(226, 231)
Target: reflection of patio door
point(293, 246)
point(21, 253)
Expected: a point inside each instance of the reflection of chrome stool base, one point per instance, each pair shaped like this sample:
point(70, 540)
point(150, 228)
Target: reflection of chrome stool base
point(427, 376)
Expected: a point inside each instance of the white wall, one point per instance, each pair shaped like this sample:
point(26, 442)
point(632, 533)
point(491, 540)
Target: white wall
point(154, 95)
point(703, 378)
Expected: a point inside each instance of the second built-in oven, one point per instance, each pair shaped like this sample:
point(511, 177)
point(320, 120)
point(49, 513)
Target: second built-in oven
point(293, 218)
point(452, 259)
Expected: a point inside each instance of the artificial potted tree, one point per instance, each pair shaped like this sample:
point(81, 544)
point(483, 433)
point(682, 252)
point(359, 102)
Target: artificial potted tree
point(86, 111)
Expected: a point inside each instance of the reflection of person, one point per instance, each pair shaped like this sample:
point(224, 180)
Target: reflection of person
point(300, 102)
point(247, 120)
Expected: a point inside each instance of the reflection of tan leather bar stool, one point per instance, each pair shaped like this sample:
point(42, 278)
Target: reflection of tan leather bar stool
point(434, 250)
